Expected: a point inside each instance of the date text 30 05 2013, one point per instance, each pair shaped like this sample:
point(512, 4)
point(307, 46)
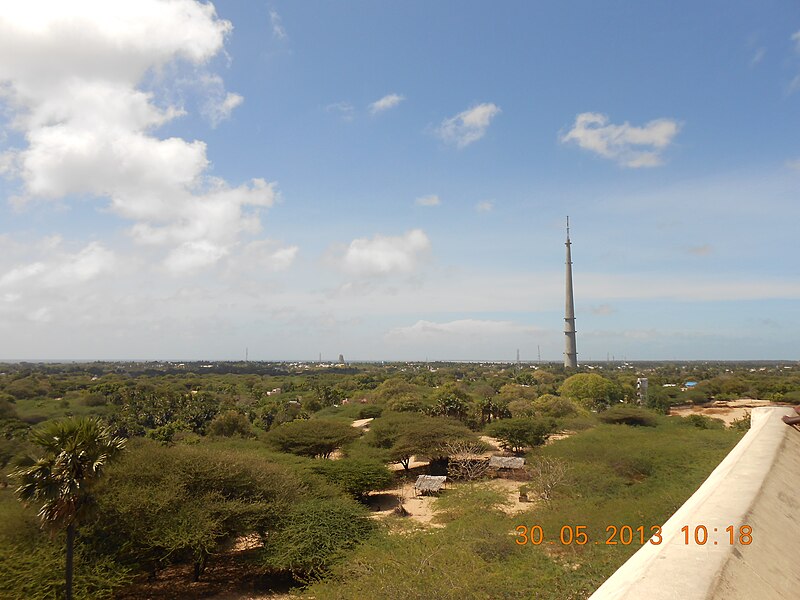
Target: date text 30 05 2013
point(625, 535)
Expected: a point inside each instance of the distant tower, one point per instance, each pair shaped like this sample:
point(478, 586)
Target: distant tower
point(570, 350)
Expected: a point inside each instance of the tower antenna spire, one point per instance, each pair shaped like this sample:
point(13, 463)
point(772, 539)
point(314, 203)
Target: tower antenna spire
point(570, 351)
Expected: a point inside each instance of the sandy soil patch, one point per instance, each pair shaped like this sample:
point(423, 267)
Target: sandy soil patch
point(413, 464)
point(561, 435)
point(493, 443)
point(727, 411)
point(724, 410)
point(362, 423)
point(511, 489)
point(419, 508)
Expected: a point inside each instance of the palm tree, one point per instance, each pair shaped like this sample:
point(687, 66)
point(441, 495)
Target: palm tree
point(75, 454)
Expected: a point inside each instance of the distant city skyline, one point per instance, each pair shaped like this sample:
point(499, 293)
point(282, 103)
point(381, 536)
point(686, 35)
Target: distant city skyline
point(389, 181)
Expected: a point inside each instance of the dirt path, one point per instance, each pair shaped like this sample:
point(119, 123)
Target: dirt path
point(724, 410)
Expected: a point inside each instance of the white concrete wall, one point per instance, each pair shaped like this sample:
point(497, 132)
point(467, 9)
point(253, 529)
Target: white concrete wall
point(756, 485)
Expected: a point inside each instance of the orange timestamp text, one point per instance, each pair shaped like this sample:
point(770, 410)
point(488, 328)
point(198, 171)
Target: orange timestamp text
point(625, 535)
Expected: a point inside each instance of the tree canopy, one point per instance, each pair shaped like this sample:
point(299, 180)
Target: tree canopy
point(409, 434)
point(591, 390)
point(517, 434)
point(312, 437)
point(75, 455)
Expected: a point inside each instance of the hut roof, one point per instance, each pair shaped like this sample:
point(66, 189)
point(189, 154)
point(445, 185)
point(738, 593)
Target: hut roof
point(506, 462)
point(430, 483)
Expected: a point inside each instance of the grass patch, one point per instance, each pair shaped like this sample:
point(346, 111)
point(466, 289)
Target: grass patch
point(618, 475)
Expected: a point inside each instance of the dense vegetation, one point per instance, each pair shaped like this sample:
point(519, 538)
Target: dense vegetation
point(220, 453)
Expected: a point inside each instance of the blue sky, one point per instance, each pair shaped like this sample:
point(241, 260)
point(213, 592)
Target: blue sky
point(389, 180)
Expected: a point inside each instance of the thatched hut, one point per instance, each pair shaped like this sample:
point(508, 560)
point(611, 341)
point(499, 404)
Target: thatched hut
point(429, 484)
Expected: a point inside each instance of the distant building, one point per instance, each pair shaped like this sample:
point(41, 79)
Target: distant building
point(641, 389)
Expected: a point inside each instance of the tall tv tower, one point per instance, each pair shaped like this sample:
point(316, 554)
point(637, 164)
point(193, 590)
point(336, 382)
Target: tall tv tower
point(570, 350)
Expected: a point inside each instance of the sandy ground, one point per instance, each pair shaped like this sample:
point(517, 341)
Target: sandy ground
point(511, 488)
point(493, 443)
point(421, 509)
point(413, 464)
point(561, 435)
point(725, 410)
point(362, 423)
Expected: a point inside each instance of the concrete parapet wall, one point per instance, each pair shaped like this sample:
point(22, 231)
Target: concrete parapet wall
point(757, 484)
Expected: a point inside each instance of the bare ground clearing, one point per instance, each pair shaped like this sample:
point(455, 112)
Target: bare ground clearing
point(724, 410)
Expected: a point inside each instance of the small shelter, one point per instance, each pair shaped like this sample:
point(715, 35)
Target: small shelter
point(429, 484)
point(506, 462)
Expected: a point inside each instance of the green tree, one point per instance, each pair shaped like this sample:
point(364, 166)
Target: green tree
point(517, 434)
point(229, 424)
point(451, 401)
point(312, 437)
point(591, 390)
point(409, 434)
point(356, 476)
point(315, 534)
point(166, 504)
point(75, 454)
point(555, 406)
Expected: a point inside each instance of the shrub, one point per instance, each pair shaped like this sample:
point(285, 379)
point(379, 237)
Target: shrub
point(517, 434)
point(546, 476)
point(229, 424)
point(628, 415)
point(370, 411)
point(37, 573)
point(466, 461)
point(94, 399)
point(355, 476)
point(315, 534)
point(591, 390)
point(556, 406)
point(521, 408)
point(705, 422)
point(182, 503)
point(407, 434)
point(7, 409)
point(742, 424)
point(312, 437)
point(406, 404)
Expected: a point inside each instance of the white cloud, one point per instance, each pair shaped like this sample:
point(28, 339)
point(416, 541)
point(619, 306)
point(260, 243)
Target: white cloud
point(628, 145)
point(485, 206)
point(468, 126)
point(386, 254)
point(268, 255)
point(385, 103)
point(278, 30)
point(793, 164)
point(430, 200)
point(758, 56)
point(603, 310)
point(194, 255)
point(344, 109)
point(218, 104)
point(59, 268)
point(796, 39)
point(89, 127)
point(462, 327)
